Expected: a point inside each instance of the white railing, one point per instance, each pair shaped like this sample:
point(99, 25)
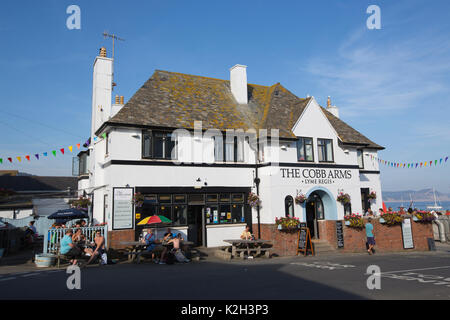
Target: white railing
point(53, 237)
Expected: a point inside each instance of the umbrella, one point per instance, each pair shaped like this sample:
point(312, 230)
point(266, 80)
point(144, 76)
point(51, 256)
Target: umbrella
point(154, 219)
point(68, 214)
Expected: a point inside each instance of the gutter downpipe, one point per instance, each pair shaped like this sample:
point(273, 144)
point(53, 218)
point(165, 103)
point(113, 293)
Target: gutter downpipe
point(256, 181)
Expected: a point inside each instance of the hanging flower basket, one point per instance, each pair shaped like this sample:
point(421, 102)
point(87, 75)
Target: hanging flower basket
point(138, 199)
point(253, 200)
point(354, 220)
point(300, 198)
point(81, 203)
point(343, 198)
point(287, 224)
point(372, 196)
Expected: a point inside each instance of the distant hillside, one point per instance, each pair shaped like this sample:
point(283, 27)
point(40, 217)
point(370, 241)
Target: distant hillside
point(419, 195)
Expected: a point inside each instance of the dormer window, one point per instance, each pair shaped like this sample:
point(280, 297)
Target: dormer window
point(305, 149)
point(325, 150)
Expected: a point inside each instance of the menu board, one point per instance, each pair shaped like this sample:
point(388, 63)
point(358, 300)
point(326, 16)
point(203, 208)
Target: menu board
point(407, 235)
point(339, 234)
point(122, 208)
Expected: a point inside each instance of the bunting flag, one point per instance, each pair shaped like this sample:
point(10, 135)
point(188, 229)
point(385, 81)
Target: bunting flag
point(54, 152)
point(396, 164)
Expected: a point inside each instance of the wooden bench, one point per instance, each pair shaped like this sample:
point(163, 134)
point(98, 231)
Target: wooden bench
point(258, 247)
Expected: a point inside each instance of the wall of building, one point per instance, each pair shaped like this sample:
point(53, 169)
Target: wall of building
point(387, 238)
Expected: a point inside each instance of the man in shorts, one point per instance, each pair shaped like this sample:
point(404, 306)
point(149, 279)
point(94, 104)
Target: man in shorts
point(370, 236)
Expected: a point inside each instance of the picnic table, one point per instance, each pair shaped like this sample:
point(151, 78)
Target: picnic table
point(241, 246)
point(136, 248)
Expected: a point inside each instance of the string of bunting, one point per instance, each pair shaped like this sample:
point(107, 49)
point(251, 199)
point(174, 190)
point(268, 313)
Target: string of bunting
point(39, 156)
point(409, 165)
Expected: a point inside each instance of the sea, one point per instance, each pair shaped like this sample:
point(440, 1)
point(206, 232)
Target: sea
point(422, 205)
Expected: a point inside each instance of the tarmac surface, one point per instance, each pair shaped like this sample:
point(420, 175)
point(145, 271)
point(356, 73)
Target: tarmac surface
point(405, 275)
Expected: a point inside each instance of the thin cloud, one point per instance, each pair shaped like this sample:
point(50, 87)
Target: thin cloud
point(386, 76)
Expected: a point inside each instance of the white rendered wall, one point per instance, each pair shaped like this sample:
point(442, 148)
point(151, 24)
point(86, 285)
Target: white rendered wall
point(216, 235)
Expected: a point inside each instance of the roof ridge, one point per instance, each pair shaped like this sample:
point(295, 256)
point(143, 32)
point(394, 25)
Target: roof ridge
point(210, 78)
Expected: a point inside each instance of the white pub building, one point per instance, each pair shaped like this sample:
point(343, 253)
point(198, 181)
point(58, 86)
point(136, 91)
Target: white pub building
point(169, 142)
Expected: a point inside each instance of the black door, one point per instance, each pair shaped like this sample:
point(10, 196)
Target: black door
point(365, 203)
point(311, 217)
point(195, 225)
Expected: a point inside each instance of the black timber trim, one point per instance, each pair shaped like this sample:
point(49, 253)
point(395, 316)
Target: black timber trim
point(369, 171)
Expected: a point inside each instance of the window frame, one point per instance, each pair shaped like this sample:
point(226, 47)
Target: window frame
point(362, 158)
point(289, 202)
point(318, 150)
point(167, 142)
point(304, 148)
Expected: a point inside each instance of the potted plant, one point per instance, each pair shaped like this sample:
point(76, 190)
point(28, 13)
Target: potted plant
point(287, 224)
point(423, 216)
point(82, 203)
point(343, 198)
point(391, 218)
point(372, 196)
point(300, 198)
point(253, 200)
point(354, 220)
point(138, 199)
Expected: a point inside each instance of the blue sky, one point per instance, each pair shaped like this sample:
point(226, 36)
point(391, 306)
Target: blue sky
point(391, 84)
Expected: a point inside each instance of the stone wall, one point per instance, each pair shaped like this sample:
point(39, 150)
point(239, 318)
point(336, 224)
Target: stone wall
point(388, 239)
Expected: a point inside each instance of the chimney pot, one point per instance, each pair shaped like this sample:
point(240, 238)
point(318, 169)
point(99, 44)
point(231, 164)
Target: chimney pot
point(117, 99)
point(103, 52)
point(121, 100)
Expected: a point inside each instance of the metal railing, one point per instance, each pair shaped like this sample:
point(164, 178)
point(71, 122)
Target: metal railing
point(53, 237)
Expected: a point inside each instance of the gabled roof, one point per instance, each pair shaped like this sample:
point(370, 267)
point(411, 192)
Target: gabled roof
point(176, 100)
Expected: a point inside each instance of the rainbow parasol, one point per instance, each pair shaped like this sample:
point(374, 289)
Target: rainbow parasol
point(154, 220)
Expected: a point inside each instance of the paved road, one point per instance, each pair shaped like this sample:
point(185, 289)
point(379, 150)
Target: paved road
point(403, 276)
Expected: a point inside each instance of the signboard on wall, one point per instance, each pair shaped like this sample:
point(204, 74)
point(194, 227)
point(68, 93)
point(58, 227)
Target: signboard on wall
point(339, 234)
point(407, 235)
point(122, 217)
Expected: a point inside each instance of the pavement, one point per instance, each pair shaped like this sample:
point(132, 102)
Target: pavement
point(404, 275)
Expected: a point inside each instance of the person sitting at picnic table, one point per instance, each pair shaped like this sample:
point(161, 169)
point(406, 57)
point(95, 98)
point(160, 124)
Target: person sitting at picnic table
point(166, 244)
point(99, 250)
point(77, 235)
point(246, 234)
point(150, 241)
point(68, 248)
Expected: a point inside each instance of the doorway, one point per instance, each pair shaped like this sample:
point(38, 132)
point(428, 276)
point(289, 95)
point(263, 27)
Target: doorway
point(365, 203)
point(196, 225)
point(314, 212)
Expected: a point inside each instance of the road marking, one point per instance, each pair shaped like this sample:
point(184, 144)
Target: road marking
point(417, 269)
point(324, 265)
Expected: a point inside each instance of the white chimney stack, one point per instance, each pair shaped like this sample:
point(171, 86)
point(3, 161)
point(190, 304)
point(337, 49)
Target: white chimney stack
point(332, 109)
point(238, 83)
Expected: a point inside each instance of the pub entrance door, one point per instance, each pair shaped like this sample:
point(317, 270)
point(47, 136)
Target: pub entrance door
point(196, 225)
point(314, 212)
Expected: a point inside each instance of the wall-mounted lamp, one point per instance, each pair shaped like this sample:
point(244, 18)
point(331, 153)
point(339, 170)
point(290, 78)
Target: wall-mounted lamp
point(283, 147)
point(127, 185)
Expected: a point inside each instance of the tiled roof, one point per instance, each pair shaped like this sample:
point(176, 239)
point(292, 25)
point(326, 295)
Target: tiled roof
point(38, 184)
point(176, 100)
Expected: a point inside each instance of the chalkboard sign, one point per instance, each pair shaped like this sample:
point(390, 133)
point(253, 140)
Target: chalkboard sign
point(339, 234)
point(304, 241)
point(407, 235)
point(302, 238)
point(431, 244)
